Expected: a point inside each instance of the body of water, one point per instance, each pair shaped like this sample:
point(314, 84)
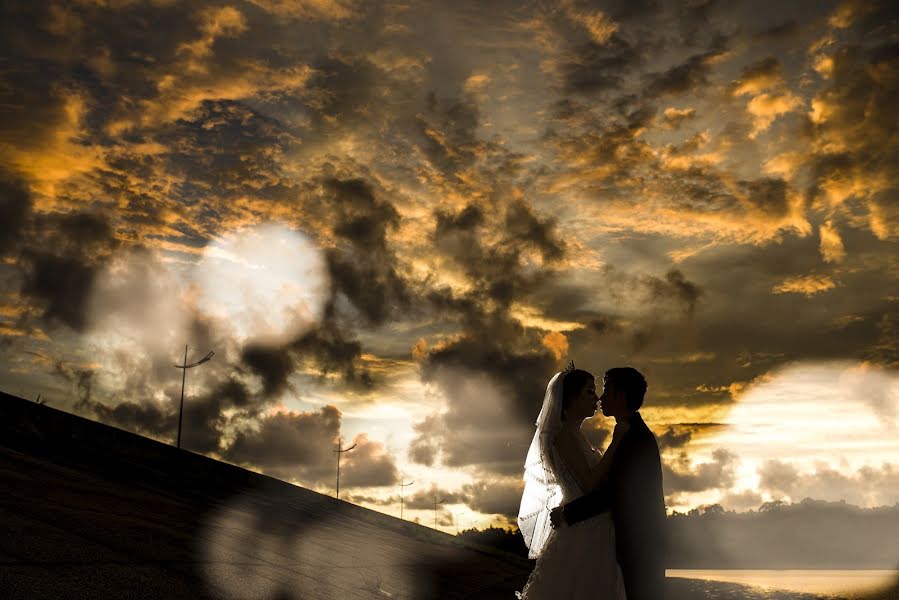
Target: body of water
point(821, 582)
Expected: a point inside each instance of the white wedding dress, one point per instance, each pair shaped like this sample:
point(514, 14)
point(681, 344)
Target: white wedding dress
point(576, 561)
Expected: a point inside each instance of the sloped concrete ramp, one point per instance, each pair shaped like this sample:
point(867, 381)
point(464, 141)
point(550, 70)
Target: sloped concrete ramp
point(90, 511)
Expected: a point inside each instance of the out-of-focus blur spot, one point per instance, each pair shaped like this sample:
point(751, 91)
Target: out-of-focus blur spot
point(257, 549)
point(268, 281)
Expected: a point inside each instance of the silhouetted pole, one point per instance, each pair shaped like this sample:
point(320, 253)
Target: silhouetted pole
point(402, 486)
point(339, 452)
point(186, 366)
point(435, 510)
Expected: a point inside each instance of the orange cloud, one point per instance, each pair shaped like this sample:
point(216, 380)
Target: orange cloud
point(764, 108)
point(805, 284)
point(556, 343)
point(832, 249)
point(312, 10)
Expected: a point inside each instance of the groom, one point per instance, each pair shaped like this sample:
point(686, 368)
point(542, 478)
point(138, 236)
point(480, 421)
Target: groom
point(633, 490)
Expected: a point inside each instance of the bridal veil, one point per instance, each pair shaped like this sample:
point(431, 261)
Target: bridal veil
point(542, 491)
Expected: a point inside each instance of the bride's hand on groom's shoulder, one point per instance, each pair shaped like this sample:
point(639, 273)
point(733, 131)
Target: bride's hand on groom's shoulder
point(557, 517)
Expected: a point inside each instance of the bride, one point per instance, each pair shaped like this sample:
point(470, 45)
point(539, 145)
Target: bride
point(577, 561)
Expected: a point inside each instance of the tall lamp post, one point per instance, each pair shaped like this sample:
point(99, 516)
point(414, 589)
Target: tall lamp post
point(339, 452)
point(435, 510)
point(185, 367)
point(402, 489)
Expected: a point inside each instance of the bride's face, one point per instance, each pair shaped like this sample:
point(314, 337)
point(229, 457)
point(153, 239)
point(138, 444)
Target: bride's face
point(584, 405)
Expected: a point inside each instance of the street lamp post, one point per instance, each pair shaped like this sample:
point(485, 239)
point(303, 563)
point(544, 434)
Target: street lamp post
point(402, 489)
point(435, 510)
point(185, 367)
point(339, 452)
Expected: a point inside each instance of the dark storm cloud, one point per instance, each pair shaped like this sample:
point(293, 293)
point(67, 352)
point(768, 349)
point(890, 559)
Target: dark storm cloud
point(425, 447)
point(767, 195)
point(291, 445)
point(660, 302)
point(495, 268)
point(272, 365)
point(223, 149)
point(366, 269)
point(332, 349)
point(523, 225)
point(593, 68)
point(870, 485)
point(638, 10)
point(493, 378)
point(340, 91)
point(301, 445)
point(679, 476)
point(763, 71)
point(15, 208)
point(746, 341)
point(447, 133)
point(368, 465)
point(147, 417)
point(467, 219)
point(204, 419)
point(500, 497)
point(563, 299)
point(501, 348)
point(787, 29)
point(61, 263)
point(141, 417)
point(676, 287)
point(673, 438)
point(496, 371)
point(81, 378)
point(424, 499)
point(675, 118)
point(886, 350)
point(688, 76)
point(679, 435)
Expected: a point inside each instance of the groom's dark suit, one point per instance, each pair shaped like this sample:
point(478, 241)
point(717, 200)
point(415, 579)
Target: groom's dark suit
point(633, 492)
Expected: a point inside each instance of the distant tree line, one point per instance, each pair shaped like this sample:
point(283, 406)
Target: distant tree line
point(507, 540)
point(812, 534)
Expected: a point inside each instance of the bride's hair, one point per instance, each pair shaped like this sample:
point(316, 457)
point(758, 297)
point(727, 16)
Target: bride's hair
point(572, 383)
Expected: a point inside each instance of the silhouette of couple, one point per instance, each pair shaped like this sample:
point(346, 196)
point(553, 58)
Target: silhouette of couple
point(594, 521)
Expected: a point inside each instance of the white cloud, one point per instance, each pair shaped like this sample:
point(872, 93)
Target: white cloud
point(823, 430)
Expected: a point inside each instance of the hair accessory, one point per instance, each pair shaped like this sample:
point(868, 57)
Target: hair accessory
point(569, 368)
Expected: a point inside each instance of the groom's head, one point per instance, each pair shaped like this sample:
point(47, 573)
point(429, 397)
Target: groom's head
point(623, 391)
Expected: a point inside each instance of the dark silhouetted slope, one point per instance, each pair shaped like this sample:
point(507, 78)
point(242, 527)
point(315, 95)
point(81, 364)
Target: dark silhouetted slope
point(91, 511)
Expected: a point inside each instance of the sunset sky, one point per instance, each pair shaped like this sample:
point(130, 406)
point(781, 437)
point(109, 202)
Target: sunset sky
point(393, 222)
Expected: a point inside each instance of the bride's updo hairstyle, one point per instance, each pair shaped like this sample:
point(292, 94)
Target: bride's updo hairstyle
point(630, 381)
point(573, 381)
